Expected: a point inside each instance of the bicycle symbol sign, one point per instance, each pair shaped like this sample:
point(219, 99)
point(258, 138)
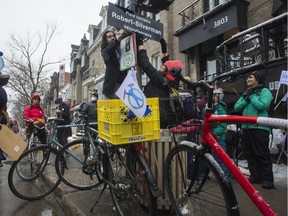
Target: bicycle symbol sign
point(128, 60)
point(135, 97)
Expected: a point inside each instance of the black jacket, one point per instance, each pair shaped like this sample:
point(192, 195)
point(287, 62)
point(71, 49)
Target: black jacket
point(64, 133)
point(158, 86)
point(113, 76)
point(90, 109)
point(65, 113)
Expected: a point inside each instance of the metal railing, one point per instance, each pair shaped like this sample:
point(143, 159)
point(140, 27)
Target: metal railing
point(263, 43)
point(197, 9)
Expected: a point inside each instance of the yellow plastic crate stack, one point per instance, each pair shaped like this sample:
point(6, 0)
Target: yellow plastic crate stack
point(115, 127)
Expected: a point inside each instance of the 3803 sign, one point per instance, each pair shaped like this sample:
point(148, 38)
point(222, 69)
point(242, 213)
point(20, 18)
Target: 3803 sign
point(221, 21)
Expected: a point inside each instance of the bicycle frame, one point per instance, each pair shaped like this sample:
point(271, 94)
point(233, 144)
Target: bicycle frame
point(54, 141)
point(208, 139)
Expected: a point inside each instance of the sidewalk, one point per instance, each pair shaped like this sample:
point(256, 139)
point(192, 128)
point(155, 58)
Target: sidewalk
point(78, 203)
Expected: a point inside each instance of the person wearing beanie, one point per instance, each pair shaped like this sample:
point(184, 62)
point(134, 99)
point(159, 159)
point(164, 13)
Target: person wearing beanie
point(35, 113)
point(219, 130)
point(63, 112)
point(255, 101)
point(164, 84)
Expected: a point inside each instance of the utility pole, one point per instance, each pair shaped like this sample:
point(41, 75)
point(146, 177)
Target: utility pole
point(133, 7)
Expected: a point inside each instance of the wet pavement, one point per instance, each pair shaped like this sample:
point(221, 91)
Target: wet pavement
point(10, 205)
point(67, 201)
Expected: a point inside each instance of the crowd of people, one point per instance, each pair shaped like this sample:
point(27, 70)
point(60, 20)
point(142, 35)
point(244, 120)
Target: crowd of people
point(164, 83)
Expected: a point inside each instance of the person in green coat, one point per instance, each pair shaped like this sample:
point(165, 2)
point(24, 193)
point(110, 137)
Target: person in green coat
point(255, 101)
point(219, 130)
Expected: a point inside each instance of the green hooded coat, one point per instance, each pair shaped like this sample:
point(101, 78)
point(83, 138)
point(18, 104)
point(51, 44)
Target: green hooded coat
point(257, 105)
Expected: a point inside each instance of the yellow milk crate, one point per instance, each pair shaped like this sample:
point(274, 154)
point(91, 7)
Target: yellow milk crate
point(115, 127)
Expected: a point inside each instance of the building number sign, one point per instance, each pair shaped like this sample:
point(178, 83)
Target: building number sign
point(221, 21)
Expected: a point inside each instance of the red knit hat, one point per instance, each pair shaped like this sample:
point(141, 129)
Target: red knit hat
point(35, 95)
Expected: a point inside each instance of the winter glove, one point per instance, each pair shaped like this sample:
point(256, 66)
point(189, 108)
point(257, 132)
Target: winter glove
point(164, 59)
point(139, 40)
point(163, 45)
point(217, 136)
point(247, 93)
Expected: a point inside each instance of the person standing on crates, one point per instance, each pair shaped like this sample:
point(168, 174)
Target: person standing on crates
point(111, 55)
point(164, 84)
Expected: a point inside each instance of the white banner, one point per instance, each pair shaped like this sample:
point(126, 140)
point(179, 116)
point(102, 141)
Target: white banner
point(284, 78)
point(131, 94)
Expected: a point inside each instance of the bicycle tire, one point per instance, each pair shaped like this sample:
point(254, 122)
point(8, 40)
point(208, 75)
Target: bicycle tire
point(130, 190)
point(33, 178)
point(30, 173)
point(73, 172)
point(211, 195)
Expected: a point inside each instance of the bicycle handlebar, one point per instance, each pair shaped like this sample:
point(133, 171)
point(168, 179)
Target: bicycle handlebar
point(231, 75)
point(28, 120)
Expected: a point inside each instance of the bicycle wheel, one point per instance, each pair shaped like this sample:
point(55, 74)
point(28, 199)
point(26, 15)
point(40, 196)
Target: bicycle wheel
point(206, 194)
point(32, 168)
point(130, 190)
point(78, 166)
point(33, 175)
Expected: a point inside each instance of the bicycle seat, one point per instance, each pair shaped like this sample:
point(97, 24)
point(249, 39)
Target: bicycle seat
point(192, 125)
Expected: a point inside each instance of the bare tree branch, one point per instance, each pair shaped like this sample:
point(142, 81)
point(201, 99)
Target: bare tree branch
point(26, 62)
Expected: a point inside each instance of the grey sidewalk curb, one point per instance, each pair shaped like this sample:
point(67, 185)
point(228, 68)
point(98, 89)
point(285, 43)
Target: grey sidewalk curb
point(79, 202)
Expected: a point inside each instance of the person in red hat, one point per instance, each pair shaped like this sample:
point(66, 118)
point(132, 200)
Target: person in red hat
point(36, 113)
point(163, 83)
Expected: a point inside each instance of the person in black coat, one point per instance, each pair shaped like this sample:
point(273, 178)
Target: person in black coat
point(164, 84)
point(63, 112)
point(90, 108)
point(111, 55)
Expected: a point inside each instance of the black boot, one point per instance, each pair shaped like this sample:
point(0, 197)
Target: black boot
point(267, 184)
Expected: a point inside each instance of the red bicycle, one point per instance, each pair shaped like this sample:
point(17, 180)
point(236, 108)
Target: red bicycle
point(195, 182)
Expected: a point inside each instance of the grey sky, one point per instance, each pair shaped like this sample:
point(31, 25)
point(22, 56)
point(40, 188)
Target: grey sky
point(73, 16)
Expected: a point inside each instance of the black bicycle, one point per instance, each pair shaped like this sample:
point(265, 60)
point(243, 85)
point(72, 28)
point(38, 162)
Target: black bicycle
point(91, 161)
point(33, 175)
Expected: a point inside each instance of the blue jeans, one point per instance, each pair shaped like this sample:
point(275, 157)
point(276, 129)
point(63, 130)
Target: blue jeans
point(201, 170)
point(222, 165)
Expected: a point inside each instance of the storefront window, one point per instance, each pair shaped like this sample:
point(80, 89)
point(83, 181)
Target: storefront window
point(210, 68)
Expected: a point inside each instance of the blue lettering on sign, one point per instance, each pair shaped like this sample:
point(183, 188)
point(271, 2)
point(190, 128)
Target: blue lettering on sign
point(132, 139)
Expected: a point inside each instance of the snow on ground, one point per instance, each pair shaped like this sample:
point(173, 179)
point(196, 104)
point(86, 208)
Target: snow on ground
point(279, 171)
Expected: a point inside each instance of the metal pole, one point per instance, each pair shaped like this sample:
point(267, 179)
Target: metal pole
point(133, 7)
